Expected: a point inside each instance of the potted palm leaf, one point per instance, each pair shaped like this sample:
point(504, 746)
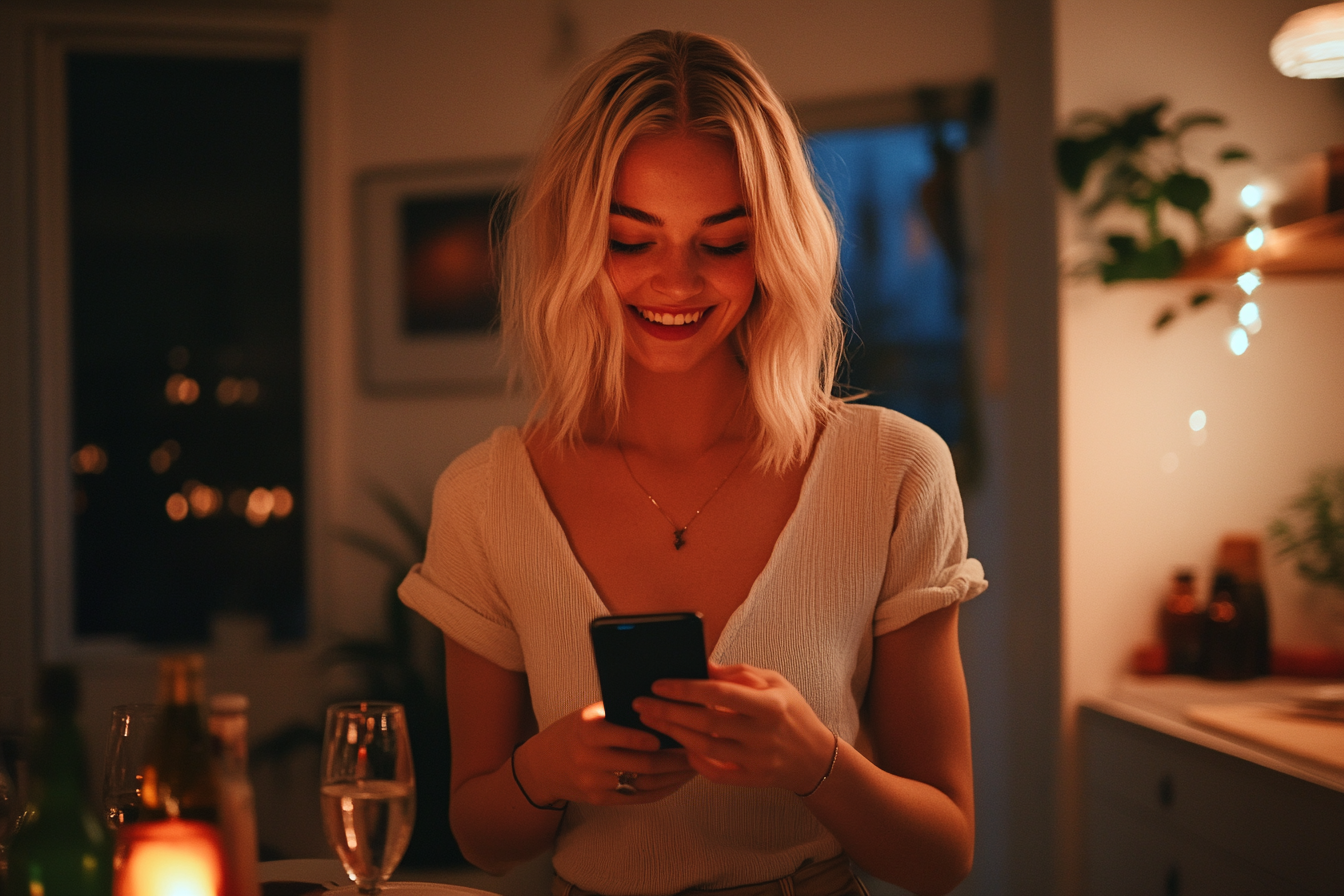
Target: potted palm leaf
point(1312, 535)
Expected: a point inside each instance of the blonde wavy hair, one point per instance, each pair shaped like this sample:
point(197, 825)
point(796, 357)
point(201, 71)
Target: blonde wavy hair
point(562, 318)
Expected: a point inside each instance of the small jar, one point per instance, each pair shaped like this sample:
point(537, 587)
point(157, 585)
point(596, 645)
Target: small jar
point(1181, 624)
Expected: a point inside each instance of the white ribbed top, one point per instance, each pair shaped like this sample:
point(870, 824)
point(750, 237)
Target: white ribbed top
point(876, 541)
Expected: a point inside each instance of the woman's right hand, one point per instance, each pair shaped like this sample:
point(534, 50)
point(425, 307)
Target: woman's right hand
point(578, 758)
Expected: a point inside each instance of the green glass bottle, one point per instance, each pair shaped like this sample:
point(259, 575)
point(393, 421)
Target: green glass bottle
point(62, 849)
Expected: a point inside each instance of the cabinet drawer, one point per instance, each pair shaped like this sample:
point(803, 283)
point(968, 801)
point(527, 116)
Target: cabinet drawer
point(1132, 856)
point(1287, 827)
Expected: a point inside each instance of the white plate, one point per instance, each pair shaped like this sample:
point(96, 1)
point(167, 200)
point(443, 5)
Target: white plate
point(413, 888)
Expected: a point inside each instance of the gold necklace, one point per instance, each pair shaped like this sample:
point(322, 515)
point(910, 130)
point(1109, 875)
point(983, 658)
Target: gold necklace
point(679, 532)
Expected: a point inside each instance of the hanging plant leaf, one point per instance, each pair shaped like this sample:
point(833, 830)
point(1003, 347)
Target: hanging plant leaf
point(1123, 183)
point(1140, 125)
point(1244, 223)
point(1074, 157)
point(1134, 161)
point(1157, 262)
point(1091, 120)
point(1195, 119)
point(1123, 245)
point(1232, 153)
point(1186, 191)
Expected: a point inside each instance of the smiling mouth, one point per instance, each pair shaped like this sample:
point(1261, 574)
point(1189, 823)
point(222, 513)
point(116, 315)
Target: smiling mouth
point(668, 319)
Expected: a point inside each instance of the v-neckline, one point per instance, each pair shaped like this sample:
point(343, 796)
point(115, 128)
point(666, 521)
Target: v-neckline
point(575, 567)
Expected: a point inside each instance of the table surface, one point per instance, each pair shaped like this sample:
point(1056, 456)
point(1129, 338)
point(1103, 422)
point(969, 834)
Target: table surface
point(291, 877)
point(1160, 702)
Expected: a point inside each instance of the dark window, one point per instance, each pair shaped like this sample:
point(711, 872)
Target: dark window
point(901, 286)
point(184, 190)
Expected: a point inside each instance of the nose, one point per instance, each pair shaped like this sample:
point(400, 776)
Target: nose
point(678, 274)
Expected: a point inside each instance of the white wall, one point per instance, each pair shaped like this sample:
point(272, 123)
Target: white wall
point(1274, 413)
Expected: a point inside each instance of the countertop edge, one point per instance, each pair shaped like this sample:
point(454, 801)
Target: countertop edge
point(1285, 763)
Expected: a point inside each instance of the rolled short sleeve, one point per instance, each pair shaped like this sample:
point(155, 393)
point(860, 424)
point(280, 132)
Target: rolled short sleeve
point(927, 567)
point(454, 587)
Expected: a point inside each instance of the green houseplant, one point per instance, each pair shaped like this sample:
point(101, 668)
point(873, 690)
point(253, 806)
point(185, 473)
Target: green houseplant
point(1313, 532)
point(1135, 161)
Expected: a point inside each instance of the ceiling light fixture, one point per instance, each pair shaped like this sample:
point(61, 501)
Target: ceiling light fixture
point(1310, 44)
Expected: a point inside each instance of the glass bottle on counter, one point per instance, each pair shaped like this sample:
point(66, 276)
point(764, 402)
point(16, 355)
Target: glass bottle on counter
point(1255, 609)
point(1236, 643)
point(1181, 624)
point(179, 777)
point(62, 849)
point(237, 803)
point(1225, 632)
point(1240, 555)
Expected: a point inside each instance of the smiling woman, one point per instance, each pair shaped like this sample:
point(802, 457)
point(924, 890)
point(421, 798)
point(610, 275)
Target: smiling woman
point(680, 250)
point(670, 290)
point(555, 277)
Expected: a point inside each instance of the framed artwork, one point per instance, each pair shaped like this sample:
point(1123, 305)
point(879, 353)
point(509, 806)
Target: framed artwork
point(428, 282)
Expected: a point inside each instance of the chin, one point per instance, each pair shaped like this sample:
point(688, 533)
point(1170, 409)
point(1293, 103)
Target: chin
point(663, 365)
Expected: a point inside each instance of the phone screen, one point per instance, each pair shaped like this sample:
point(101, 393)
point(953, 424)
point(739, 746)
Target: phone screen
point(632, 652)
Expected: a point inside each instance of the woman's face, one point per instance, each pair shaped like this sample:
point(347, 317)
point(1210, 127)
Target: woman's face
point(681, 254)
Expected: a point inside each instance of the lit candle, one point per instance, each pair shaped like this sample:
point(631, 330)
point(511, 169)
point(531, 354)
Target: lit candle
point(168, 858)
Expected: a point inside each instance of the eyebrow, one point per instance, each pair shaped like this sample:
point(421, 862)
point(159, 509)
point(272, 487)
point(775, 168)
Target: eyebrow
point(644, 217)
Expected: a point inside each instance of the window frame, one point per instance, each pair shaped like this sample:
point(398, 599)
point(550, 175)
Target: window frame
point(301, 35)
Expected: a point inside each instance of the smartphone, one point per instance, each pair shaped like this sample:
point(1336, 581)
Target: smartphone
point(632, 652)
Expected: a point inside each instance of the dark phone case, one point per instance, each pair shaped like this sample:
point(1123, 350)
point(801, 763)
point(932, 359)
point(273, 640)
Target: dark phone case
point(632, 652)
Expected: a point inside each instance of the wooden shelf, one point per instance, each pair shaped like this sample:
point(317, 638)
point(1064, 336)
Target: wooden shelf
point(1314, 246)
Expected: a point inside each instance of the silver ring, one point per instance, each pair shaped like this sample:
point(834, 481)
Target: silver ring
point(625, 782)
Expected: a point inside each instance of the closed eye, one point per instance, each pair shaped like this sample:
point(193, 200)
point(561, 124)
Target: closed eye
point(627, 248)
point(734, 249)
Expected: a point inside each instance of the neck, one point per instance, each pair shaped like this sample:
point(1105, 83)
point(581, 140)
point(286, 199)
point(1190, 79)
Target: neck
point(680, 416)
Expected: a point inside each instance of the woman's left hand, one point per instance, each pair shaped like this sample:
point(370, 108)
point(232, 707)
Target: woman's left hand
point(743, 726)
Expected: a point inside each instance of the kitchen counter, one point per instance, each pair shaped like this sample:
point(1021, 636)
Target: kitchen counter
point(1160, 702)
point(1178, 808)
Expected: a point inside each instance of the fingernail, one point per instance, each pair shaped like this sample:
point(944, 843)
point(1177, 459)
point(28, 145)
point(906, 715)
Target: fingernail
point(641, 704)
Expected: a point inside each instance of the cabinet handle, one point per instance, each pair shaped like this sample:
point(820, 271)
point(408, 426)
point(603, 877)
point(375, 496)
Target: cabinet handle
point(1172, 884)
point(1166, 791)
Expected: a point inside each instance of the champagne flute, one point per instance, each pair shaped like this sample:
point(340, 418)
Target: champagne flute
point(368, 789)
point(128, 742)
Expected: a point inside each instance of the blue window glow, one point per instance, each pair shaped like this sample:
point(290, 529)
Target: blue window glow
point(900, 289)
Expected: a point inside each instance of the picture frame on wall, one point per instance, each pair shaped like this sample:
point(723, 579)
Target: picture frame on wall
point(428, 282)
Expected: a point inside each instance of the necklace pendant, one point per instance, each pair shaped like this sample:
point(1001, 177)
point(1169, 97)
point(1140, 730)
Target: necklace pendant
point(677, 539)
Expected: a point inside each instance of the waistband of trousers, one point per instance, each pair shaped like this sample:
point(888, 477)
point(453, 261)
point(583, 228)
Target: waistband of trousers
point(824, 878)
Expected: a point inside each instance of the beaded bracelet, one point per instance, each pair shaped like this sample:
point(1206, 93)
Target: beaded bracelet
point(558, 805)
point(835, 754)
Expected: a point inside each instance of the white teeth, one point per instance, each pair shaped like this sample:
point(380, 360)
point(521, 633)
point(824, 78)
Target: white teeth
point(670, 320)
